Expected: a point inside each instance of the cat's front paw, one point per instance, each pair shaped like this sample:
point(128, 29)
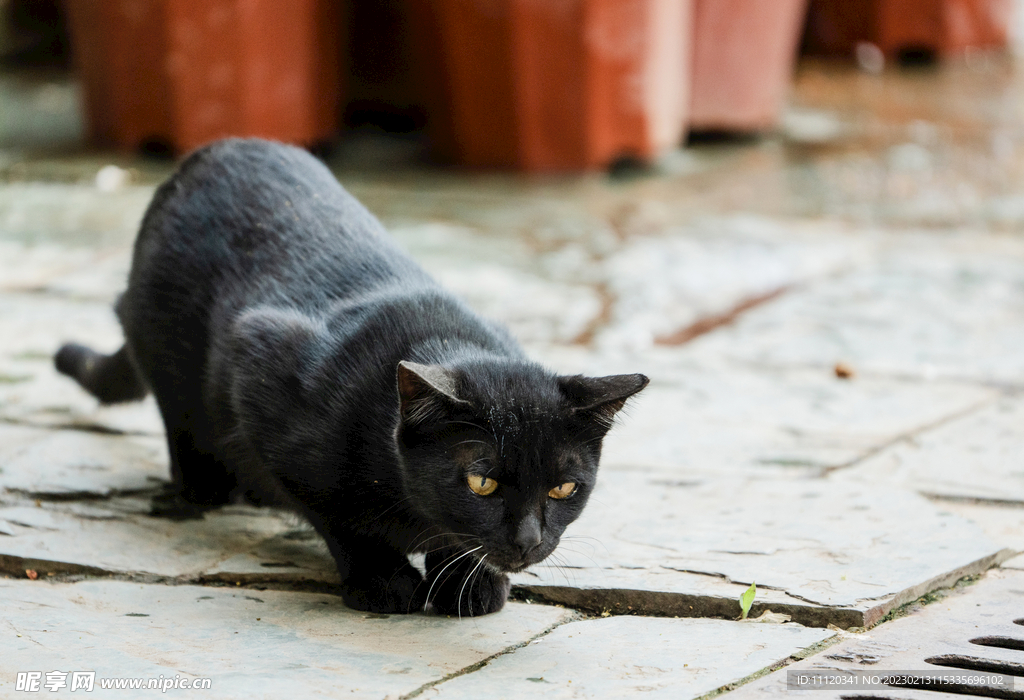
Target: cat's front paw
point(399, 593)
point(485, 593)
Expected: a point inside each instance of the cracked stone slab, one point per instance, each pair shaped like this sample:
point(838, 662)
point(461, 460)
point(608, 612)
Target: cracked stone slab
point(232, 544)
point(663, 282)
point(627, 280)
point(620, 657)
point(1004, 524)
point(504, 279)
point(33, 393)
point(713, 417)
point(822, 551)
point(974, 457)
point(251, 643)
point(924, 310)
point(63, 464)
point(36, 325)
point(918, 642)
point(1016, 563)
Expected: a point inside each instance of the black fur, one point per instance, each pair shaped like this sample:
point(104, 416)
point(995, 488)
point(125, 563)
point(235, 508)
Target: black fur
point(298, 356)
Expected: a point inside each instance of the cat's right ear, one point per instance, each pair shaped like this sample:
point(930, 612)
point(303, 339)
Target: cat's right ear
point(426, 392)
point(601, 397)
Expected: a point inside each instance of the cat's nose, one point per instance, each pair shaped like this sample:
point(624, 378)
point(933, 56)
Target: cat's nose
point(528, 534)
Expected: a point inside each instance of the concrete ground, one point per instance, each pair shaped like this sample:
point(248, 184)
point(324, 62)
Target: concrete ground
point(832, 318)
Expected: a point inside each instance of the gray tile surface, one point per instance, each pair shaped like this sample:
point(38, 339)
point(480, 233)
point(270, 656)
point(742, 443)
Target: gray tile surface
point(827, 551)
point(622, 657)
point(252, 643)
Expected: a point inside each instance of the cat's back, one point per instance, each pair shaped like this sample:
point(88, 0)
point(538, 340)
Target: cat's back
point(256, 218)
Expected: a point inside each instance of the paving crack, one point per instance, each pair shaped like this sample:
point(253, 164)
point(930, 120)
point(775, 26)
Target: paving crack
point(602, 319)
point(974, 500)
point(472, 668)
point(68, 496)
point(706, 324)
point(909, 435)
point(651, 603)
point(81, 426)
point(807, 652)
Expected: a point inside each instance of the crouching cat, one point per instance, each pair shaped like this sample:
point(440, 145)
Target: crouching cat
point(300, 358)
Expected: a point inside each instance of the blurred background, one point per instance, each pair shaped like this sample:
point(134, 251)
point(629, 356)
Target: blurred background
point(559, 86)
point(574, 132)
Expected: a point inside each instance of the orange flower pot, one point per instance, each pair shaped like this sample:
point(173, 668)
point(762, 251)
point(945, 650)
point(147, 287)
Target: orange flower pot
point(185, 72)
point(555, 84)
point(943, 27)
point(743, 60)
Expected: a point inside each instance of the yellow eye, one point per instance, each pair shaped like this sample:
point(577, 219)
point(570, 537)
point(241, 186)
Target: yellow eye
point(564, 491)
point(481, 485)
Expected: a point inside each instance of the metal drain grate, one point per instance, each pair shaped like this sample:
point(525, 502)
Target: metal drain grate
point(976, 630)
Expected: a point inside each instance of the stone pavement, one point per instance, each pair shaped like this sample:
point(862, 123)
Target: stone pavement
point(877, 236)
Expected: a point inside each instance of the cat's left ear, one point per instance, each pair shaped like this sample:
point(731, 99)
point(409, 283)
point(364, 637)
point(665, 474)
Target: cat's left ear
point(601, 397)
point(425, 391)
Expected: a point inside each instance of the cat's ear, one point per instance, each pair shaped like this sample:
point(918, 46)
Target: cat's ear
point(601, 397)
point(425, 391)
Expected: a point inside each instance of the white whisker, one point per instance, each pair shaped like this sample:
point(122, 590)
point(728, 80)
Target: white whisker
point(464, 554)
point(458, 602)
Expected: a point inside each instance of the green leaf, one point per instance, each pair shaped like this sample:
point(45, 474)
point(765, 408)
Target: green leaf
point(747, 599)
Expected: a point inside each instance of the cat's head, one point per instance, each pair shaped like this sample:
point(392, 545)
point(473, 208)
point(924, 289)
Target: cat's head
point(501, 454)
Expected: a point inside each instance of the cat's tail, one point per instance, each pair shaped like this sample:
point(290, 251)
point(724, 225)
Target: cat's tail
point(110, 378)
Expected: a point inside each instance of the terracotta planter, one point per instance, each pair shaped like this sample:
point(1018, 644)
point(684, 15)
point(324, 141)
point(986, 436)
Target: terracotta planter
point(381, 80)
point(943, 27)
point(555, 84)
point(743, 60)
point(186, 72)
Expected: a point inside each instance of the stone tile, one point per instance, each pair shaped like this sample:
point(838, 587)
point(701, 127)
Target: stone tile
point(912, 643)
point(36, 325)
point(32, 392)
point(234, 543)
point(661, 283)
point(974, 457)
point(502, 279)
point(25, 267)
point(925, 310)
point(1016, 563)
point(624, 282)
point(710, 417)
point(620, 657)
point(63, 464)
point(251, 643)
point(73, 215)
point(76, 272)
point(824, 551)
point(1004, 525)
point(103, 279)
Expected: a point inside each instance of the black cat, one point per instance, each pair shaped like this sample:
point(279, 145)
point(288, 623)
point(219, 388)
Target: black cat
point(299, 357)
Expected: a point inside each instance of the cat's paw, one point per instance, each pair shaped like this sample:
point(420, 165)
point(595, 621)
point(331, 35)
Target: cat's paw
point(485, 593)
point(399, 593)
